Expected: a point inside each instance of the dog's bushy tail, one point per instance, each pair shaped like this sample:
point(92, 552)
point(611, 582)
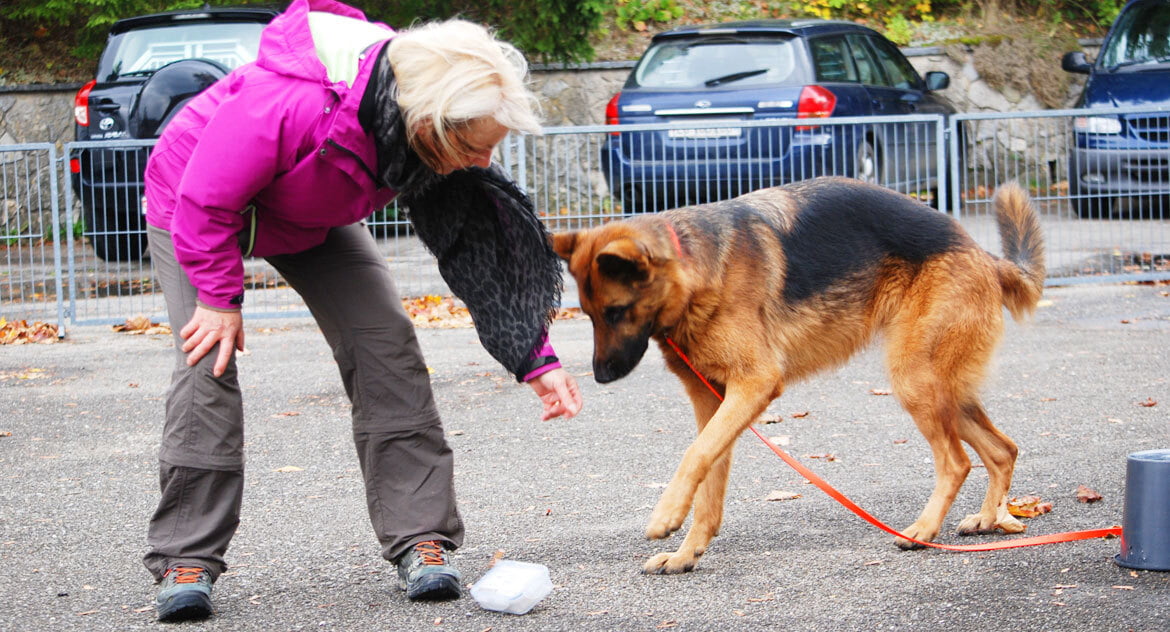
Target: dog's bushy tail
point(1021, 271)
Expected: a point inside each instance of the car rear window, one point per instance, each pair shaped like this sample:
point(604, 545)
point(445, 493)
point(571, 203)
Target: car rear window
point(143, 51)
point(710, 63)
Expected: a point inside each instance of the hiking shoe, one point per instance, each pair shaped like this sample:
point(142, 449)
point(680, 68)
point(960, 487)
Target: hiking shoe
point(426, 573)
point(185, 594)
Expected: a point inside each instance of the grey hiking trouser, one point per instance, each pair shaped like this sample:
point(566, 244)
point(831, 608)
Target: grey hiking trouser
point(403, 454)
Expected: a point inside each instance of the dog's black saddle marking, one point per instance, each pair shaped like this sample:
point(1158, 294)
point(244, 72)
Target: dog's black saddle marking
point(838, 230)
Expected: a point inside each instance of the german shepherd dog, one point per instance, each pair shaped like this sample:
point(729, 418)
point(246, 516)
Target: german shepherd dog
point(771, 287)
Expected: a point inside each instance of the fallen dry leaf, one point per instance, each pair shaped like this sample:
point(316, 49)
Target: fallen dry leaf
point(289, 468)
point(436, 311)
point(1086, 495)
point(141, 325)
point(800, 415)
point(671, 623)
point(1149, 403)
point(781, 495)
point(827, 456)
point(1028, 506)
point(569, 313)
point(19, 332)
point(878, 391)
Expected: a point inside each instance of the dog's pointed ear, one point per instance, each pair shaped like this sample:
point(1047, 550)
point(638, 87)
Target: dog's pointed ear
point(564, 244)
point(624, 260)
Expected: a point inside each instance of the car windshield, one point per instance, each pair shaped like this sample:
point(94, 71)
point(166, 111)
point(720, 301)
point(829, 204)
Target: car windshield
point(1141, 36)
point(717, 62)
point(143, 51)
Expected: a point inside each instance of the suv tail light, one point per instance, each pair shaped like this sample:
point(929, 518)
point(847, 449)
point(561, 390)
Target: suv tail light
point(611, 112)
point(815, 102)
point(81, 104)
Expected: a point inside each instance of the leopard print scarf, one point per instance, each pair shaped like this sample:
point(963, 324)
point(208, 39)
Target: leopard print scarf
point(492, 249)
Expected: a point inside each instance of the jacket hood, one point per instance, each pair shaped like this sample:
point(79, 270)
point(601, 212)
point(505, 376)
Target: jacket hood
point(286, 45)
point(1129, 88)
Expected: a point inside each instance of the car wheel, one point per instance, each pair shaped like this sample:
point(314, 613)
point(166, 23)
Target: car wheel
point(115, 235)
point(866, 164)
point(1092, 207)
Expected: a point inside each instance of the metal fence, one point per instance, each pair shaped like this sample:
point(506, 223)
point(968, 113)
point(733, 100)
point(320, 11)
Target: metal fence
point(1103, 203)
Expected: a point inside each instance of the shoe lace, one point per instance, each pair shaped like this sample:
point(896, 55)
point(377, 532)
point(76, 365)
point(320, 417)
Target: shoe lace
point(430, 553)
point(186, 575)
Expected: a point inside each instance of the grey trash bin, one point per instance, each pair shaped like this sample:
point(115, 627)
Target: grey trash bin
point(1145, 537)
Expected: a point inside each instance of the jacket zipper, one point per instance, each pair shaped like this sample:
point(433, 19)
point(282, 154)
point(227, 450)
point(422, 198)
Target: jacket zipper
point(365, 167)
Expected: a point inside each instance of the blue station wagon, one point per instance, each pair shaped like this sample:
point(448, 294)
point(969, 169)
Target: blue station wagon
point(725, 75)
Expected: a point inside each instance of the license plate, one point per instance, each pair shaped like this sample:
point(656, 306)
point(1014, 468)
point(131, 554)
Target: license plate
point(706, 132)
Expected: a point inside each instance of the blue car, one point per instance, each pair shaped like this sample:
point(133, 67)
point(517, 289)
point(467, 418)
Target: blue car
point(726, 75)
point(1127, 154)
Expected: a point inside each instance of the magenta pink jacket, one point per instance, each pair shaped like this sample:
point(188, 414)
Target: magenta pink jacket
point(278, 139)
point(276, 136)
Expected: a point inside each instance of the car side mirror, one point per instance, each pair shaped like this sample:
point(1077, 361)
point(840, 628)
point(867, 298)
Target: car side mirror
point(1075, 62)
point(937, 80)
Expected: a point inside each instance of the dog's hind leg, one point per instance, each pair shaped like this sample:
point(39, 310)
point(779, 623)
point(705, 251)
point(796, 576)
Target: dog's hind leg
point(998, 453)
point(936, 418)
point(921, 371)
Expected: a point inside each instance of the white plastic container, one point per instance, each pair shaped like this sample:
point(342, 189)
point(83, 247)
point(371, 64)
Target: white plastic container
point(512, 587)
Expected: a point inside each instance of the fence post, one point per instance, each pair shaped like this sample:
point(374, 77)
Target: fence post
point(55, 211)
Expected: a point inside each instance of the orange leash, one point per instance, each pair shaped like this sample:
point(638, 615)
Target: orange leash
point(1070, 536)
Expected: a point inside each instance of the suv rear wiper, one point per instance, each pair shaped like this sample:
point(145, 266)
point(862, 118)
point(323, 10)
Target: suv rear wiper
point(735, 76)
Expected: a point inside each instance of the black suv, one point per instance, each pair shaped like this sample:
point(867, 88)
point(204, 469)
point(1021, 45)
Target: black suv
point(151, 66)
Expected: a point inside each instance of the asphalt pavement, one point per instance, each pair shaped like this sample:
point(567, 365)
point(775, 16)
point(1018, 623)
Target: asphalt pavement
point(1079, 388)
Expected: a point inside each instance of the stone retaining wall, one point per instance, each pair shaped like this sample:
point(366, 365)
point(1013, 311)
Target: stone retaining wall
point(572, 96)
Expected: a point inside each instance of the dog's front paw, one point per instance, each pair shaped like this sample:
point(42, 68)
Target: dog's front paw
point(666, 519)
point(670, 563)
point(659, 528)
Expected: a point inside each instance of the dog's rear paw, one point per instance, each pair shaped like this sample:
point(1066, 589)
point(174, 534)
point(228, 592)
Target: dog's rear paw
point(917, 532)
point(670, 563)
point(978, 524)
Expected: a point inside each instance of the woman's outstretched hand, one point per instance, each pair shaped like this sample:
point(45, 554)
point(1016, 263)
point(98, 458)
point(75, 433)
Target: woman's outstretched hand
point(558, 392)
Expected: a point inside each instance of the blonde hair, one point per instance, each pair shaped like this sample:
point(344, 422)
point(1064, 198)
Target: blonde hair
point(451, 73)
